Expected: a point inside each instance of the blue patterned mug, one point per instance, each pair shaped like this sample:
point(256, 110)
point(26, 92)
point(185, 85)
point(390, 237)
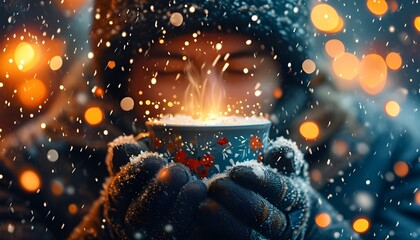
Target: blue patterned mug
point(210, 149)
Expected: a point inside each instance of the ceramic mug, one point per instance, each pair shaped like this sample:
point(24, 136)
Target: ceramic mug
point(209, 149)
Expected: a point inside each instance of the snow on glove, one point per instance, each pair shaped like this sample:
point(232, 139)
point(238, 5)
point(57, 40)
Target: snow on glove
point(256, 202)
point(148, 198)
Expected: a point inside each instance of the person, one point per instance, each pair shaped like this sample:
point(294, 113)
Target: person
point(148, 53)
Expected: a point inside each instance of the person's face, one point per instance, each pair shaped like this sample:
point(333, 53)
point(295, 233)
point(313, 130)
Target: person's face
point(203, 75)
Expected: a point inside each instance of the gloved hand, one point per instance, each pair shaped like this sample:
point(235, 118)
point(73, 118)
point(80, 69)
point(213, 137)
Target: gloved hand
point(255, 201)
point(147, 198)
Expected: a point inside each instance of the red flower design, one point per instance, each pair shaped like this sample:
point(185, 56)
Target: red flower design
point(207, 162)
point(202, 174)
point(255, 143)
point(260, 157)
point(193, 164)
point(222, 141)
point(181, 156)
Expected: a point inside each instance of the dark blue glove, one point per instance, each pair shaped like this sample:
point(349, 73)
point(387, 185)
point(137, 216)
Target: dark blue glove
point(148, 198)
point(255, 201)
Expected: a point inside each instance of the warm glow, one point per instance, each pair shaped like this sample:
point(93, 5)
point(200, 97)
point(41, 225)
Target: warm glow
point(377, 7)
point(334, 48)
point(417, 23)
point(417, 197)
point(361, 225)
point(373, 74)
point(32, 93)
point(278, 93)
point(308, 66)
point(30, 180)
point(325, 18)
point(70, 5)
point(401, 169)
point(392, 108)
point(73, 209)
point(25, 56)
point(346, 66)
point(111, 64)
point(94, 115)
point(323, 220)
point(339, 27)
point(56, 62)
point(393, 60)
point(309, 130)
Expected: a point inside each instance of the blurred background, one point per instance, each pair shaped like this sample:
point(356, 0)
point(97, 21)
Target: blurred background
point(368, 47)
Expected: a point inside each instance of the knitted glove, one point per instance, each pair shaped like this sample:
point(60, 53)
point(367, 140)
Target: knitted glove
point(148, 198)
point(273, 201)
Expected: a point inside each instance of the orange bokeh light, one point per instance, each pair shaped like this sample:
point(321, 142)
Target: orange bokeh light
point(373, 74)
point(32, 93)
point(26, 56)
point(325, 18)
point(377, 7)
point(309, 130)
point(346, 66)
point(392, 108)
point(417, 197)
point(334, 48)
point(401, 169)
point(393, 60)
point(308, 66)
point(29, 180)
point(361, 225)
point(323, 220)
point(417, 23)
point(339, 27)
point(94, 115)
point(278, 93)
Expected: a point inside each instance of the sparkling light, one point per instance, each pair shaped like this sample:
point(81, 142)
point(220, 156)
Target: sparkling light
point(309, 130)
point(25, 56)
point(56, 62)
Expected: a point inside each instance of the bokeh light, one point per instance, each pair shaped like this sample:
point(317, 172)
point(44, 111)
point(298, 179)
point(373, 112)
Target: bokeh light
point(176, 19)
point(32, 93)
point(373, 74)
point(377, 7)
point(56, 62)
point(361, 225)
point(94, 115)
point(30, 181)
point(325, 18)
point(26, 56)
point(417, 23)
point(323, 220)
point(309, 130)
point(127, 104)
point(393, 60)
point(346, 66)
point(73, 209)
point(334, 48)
point(417, 197)
point(277, 93)
point(308, 66)
point(392, 108)
point(401, 169)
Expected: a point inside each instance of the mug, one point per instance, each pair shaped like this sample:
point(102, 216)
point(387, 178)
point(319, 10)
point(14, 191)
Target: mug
point(209, 149)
